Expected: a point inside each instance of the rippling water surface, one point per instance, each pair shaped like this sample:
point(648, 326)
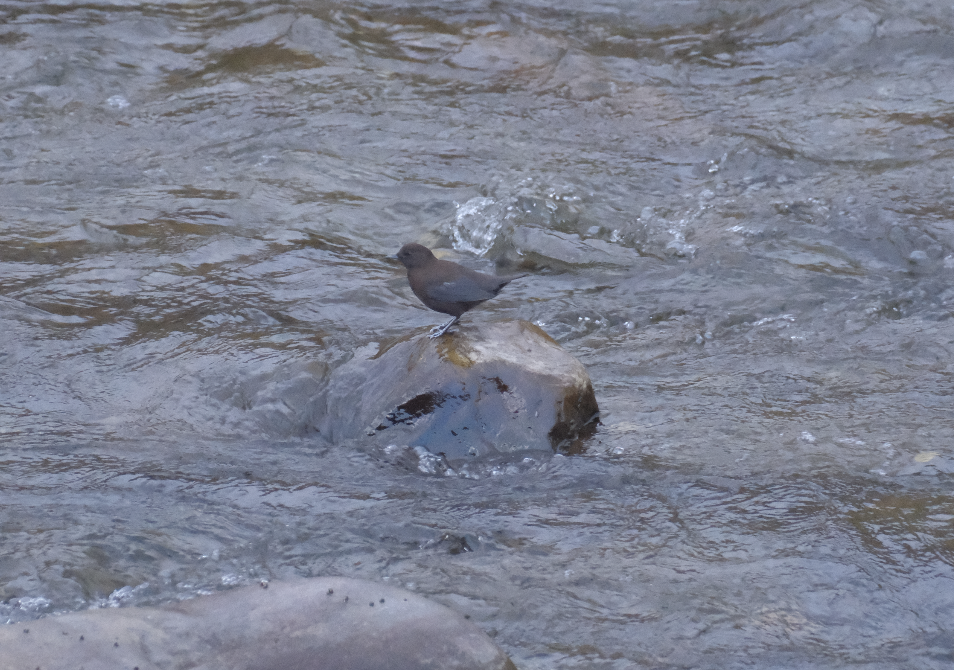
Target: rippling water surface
point(738, 215)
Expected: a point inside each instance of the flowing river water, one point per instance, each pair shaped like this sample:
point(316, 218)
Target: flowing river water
point(739, 215)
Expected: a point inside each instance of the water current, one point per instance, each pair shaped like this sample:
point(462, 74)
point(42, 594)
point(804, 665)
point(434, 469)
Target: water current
point(739, 215)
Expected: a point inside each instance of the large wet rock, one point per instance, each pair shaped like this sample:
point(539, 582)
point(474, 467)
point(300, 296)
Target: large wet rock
point(313, 624)
point(483, 390)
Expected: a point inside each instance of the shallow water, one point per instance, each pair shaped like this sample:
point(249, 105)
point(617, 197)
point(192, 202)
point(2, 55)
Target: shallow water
point(737, 215)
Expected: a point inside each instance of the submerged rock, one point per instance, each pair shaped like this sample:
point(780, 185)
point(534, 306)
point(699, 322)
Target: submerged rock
point(329, 622)
point(483, 390)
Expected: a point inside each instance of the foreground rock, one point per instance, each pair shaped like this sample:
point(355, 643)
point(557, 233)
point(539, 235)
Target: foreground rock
point(486, 389)
point(313, 624)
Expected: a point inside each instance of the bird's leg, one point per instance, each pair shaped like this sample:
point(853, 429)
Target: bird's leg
point(437, 331)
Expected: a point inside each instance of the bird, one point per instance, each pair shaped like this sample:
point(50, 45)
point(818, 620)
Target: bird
point(448, 287)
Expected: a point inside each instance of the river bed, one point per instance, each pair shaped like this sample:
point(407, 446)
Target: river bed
point(738, 215)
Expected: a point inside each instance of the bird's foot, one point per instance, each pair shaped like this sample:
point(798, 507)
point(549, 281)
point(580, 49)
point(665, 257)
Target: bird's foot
point(437, 331)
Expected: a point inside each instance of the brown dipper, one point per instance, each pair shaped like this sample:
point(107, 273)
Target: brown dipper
point(447, 287)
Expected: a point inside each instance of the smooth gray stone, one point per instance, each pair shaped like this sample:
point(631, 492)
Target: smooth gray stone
point(324, 623)
point(483, 390)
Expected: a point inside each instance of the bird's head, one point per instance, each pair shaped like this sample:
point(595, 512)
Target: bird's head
point(415, 255)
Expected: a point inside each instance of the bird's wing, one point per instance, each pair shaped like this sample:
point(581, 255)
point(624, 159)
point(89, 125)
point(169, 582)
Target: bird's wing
point(463, 289)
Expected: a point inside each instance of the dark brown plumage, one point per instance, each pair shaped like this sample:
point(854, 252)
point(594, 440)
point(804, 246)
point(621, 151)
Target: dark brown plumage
point(447, 287)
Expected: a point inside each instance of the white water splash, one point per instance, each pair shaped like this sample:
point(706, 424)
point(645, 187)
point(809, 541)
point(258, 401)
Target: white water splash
point(476, 225)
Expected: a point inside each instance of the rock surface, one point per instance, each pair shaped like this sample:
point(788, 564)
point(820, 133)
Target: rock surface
point(312, 624)
point(483, 390)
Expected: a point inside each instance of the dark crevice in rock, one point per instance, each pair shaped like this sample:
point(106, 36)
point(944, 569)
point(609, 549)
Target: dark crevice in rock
point(420, 405)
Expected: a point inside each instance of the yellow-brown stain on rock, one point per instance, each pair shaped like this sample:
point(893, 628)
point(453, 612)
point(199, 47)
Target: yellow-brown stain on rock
point(534, 328)
point(450, 350)
point(576, 420)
